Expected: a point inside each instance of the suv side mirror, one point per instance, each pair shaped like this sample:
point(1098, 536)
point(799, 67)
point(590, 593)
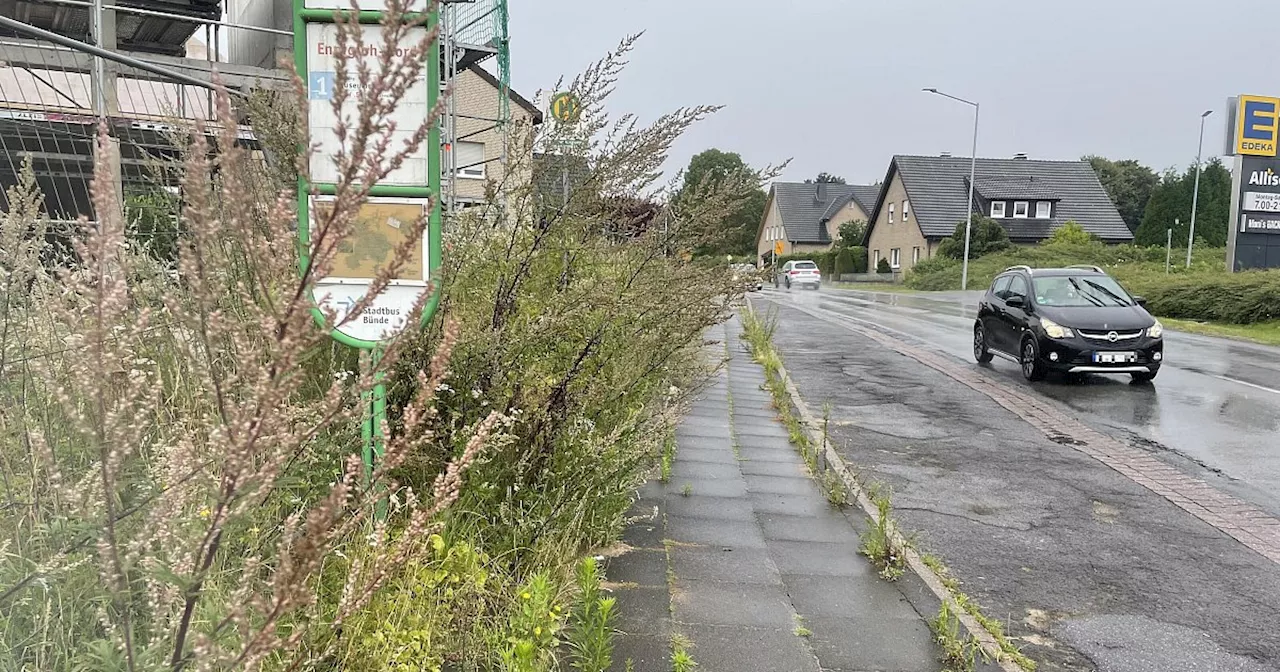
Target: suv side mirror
point(1140, 300)
point(1016, 301)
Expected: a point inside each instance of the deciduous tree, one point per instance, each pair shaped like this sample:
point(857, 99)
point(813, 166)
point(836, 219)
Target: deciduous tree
point(713, 169)
point(826, 178)
point(1128, 183)
point(1170, 207)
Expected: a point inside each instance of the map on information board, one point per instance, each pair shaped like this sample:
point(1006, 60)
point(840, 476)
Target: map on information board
point(323, 51)
point(378, 230)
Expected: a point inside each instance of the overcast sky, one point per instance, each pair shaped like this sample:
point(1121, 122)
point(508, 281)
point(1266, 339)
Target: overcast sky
point(835, 84)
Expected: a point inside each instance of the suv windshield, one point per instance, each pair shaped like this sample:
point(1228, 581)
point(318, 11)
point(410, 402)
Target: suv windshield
point(805, 265)
point(1080, 291)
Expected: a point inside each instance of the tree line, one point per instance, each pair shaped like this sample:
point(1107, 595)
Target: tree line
point(1152, 203)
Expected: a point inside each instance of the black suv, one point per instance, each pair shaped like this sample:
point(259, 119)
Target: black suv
point(1071, 320)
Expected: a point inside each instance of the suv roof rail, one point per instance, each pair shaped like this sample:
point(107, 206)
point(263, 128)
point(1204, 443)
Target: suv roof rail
point(1019, 267)
point(1089, 267)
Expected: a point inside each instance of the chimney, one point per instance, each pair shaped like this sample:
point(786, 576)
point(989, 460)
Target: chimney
point(1020, 156)
point(945, 155)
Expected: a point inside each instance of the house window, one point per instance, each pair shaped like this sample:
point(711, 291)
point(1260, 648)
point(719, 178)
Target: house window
point(890, 213)
point(1044, 210)
point(997, 208)
point(875, 258)
point(894, 261)
point(470, 159)
point(1020, 209)
point(906, 209)
point(915, 256)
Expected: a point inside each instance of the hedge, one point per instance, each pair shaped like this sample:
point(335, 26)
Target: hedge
point(1239, 298)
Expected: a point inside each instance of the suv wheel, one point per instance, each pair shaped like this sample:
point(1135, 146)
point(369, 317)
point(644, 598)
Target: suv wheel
point(1032, 368)
point(980, 351)
point(788, 281)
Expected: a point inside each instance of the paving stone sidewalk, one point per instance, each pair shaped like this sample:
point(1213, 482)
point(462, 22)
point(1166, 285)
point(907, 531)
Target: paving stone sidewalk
point(743, 556)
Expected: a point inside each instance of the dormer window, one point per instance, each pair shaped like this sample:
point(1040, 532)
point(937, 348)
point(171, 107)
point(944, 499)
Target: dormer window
point(1020, 209)
point(997, 209)
point(1044, 209)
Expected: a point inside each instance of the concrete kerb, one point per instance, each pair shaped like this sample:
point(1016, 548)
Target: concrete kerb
point(915, 563)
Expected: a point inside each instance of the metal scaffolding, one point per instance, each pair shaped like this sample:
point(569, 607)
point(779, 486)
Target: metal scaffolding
point(471, 32)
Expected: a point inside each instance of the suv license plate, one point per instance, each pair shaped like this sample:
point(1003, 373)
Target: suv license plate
point(1114, 357)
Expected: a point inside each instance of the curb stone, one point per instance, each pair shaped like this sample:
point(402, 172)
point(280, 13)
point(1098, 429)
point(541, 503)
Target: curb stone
point(921, 571)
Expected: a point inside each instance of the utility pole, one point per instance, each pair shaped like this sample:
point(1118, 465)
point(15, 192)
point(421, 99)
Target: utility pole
point(1195, 195)
point(973, 171)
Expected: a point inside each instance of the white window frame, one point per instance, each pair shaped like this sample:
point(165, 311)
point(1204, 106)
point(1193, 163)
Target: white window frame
point(906, 209)
point(998, 212)
point(891, 213)
point(915, 256)
point(895, 257)
point(1046, 207)
point(476, 172)
point(875, 261)
point(1026, 208)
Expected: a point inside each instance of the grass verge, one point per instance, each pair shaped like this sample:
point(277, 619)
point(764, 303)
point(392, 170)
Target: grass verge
point(1266, 333)
point(758, 332)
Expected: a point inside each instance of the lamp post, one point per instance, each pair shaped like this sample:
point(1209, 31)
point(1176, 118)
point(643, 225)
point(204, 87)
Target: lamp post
point(973, 170)
point(1195, 195)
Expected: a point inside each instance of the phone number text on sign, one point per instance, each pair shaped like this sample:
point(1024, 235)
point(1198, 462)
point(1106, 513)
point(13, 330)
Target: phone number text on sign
point(1261, 201)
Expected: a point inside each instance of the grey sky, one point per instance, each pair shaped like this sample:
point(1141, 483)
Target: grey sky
point(835, 84)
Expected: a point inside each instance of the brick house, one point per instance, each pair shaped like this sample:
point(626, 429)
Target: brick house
point(806, 217)
point(478, 152)
point(924, 199)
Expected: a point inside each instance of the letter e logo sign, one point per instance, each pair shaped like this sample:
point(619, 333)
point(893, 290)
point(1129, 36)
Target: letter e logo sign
point(1258, 126)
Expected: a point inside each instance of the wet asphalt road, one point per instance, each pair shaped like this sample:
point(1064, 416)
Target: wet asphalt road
point(1090, 571)
point(1214, 410)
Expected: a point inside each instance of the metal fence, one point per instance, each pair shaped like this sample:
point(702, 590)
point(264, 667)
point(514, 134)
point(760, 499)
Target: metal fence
point(67, 66)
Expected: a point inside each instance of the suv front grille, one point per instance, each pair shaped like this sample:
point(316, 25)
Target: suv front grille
point(1126, 335)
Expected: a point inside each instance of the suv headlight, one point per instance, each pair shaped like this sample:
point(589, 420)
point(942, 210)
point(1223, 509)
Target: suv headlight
point(1156, 330)
point(1055, 330)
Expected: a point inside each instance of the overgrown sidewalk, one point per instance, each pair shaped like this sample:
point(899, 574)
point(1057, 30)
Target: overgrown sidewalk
point(741, 562)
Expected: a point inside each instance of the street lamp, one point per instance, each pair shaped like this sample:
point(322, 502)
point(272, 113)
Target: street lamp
point(973, 171)
point(1195, 195)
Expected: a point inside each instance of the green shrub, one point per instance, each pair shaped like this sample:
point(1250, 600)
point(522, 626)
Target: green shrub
point(883, 266)
point(985, 236)
point(1138, 268)
point(1240, 298)
point(859, 259)
point(844, 262)
point(1071, 233)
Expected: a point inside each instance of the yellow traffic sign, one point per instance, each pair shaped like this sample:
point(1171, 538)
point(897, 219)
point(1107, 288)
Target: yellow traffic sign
point(777, 247)
point(566, 107)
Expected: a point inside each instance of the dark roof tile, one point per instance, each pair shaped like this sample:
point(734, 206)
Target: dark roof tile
point(938, 187)
point(803, 206)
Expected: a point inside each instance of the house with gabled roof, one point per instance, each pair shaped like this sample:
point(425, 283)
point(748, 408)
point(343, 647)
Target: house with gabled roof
point(924, 199)
point(806, 216)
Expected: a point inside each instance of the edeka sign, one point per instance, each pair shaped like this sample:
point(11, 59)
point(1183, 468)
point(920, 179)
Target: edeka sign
point(1257, 131)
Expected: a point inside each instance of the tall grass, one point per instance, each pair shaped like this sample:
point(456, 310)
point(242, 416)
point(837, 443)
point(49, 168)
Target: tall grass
point(177, 443)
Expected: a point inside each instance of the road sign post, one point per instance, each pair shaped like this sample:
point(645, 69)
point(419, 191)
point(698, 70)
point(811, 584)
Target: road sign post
point(399, 201)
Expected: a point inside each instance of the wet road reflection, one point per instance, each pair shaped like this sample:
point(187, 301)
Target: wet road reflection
point(1214, 410)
